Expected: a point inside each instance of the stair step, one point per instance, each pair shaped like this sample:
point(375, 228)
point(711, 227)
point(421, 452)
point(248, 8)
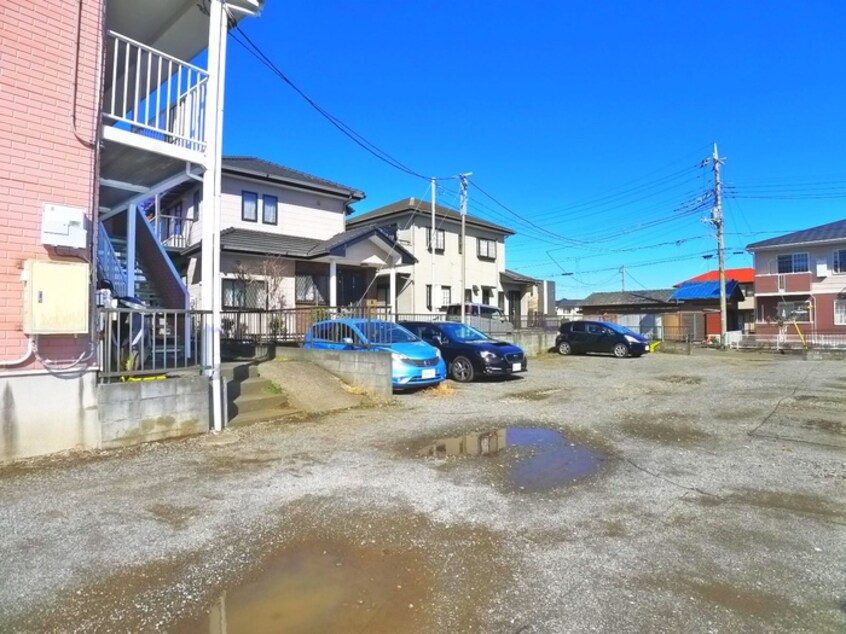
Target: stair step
point(261, 416)
point(257, 402)
point(239, 372)
point(251, 387)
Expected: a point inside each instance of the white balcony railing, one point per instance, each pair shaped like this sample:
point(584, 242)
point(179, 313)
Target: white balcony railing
point(154, 94)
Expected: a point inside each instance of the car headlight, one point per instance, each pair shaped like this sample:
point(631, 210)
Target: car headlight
point(487, 355)
point(631, 339)
point(438, 352)
point(399, 358)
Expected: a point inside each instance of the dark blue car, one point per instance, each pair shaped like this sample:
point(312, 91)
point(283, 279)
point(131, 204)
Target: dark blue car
point(469, 353)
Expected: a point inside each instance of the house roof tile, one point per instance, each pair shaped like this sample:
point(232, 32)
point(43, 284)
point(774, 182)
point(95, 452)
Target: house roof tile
point(743, 276)
point(823, 233)
point(698, 291)
point(253, 166)
point(633, 298)
point(382, 214)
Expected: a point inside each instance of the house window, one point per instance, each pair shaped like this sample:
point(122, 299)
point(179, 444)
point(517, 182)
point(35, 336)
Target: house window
point(249, 206)
point(429, 296)
point(487, 248)
point(468, 296)
point(839, 312)
point(268, 213)
point(439, 239)
point(487, 295)
point(793, 311)
point(840, 261)
point(446, 295)
point(198, 198)
point(247, 294)
point(312, 288)
point(793, 263)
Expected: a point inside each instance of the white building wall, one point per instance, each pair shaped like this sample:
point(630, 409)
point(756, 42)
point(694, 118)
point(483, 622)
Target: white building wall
point(299, 213)
point(480, 272)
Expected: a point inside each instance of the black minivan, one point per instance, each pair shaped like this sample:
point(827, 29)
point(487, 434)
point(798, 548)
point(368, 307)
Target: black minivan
point(577, 337)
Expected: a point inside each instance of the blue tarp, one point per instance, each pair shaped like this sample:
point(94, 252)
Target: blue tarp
point(691, 291)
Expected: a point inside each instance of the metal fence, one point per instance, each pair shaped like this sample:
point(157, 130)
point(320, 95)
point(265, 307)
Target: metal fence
point(144, 342)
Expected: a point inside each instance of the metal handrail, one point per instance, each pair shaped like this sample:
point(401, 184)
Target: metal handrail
point(109, 264)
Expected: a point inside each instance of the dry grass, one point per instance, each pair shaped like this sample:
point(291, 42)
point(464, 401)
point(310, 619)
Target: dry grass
point(442, 389)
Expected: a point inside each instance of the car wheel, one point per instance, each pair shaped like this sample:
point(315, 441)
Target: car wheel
point(462, 370)
point(621, 350)
point(565, 348)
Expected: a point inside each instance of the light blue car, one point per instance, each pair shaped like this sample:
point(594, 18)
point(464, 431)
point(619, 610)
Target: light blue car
point(415, 363)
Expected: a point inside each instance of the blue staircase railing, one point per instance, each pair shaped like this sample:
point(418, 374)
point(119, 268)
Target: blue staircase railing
point(109, 266)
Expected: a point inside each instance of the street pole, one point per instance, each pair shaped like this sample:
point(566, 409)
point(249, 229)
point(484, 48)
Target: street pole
point(432, 249)
point(462, 178)
point(623, 278)
point(717, 221)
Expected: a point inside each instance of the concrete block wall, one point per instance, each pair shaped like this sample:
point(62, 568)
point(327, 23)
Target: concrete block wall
point(45, 413)
point(370, 371)
point(49, 117)
point(143, 411)
point(533, 342)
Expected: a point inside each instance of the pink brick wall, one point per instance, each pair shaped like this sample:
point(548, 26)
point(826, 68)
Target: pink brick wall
point(49, 102)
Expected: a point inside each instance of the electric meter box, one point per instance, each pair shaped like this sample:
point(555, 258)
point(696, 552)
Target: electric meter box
point(56, 298)
point(64, 226)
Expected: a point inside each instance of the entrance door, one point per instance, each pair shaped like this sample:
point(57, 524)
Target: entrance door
point(514, 298)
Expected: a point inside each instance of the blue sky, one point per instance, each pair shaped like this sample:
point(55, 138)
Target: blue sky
point(587, 120)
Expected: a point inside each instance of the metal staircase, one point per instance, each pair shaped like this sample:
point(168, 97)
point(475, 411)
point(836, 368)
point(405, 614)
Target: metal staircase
point(144, 289)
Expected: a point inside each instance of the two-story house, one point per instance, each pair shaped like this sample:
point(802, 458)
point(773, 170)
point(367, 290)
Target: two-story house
point(801, 277)
point(433, 282)
point(284, 242)
point(105, 104)
point(741, 315)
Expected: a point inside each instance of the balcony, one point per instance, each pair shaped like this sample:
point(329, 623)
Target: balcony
point(152, 94)
point(783, 283)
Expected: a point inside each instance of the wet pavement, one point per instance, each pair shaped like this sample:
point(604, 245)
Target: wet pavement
point(528, 459)
point(661, 494)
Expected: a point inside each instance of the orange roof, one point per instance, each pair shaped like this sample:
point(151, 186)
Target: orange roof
point(741, 276)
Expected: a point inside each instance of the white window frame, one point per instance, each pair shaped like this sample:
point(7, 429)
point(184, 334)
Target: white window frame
point(839, 262)
point(486, 248)
point(446, 295)
point(255, 200)
point(275, 206)
point(842, 303)
point(807, 311)
point(440, 239)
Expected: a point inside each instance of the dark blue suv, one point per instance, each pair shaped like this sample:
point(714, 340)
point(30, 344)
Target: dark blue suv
point(469, 353)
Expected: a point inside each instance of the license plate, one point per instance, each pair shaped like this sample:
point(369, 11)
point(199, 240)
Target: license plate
point(428, 374)
point(516, 367)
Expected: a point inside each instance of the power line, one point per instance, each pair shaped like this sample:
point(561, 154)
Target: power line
point(252, 48)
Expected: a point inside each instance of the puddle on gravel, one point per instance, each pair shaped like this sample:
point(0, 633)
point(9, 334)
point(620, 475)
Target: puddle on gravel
point(532, 458)
point(322, 587)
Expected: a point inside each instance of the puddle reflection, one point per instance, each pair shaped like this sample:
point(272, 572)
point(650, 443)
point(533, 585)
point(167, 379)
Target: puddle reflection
point(337, 588)
point(535, 458)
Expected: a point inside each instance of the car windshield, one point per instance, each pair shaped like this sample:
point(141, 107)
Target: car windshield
point(386, 332)
point(462, 332)
point(622, 330)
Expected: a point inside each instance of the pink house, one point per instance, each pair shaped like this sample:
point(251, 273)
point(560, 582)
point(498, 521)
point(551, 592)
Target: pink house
point(101, 108)
point(801, 277)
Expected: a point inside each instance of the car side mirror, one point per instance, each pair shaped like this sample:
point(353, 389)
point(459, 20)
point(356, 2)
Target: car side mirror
point(348, 341)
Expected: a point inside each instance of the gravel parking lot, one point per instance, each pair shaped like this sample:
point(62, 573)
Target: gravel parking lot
point(707, 494)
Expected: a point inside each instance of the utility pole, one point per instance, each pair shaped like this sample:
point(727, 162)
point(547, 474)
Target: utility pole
point(432, 241)
point(462, 179)
point(623, 278)
point(717, 221)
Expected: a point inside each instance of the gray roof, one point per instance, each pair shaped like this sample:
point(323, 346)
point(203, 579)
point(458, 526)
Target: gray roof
point(384, 214)
point(264, 243)
point(823, 233)
point(259, 168)
point(569, 303)
point(626, 298)
point(517, 277)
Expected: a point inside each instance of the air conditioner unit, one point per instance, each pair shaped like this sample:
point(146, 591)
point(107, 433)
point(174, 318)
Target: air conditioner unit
point(822, 268)
point(64, 226)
